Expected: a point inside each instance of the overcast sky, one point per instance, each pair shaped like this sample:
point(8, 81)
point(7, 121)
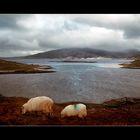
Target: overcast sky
point(25, 34)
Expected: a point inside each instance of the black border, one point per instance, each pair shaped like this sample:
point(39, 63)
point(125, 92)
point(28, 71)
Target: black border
point(65, 6)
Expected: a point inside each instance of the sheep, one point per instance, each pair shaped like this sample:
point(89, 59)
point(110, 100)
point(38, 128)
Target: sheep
point(74, 110)
point(41, 103)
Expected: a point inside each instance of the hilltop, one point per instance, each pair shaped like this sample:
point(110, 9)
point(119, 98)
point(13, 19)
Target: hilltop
point(84, 53)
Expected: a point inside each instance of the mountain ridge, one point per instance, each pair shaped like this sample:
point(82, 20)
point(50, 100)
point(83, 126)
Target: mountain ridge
point(85, 53)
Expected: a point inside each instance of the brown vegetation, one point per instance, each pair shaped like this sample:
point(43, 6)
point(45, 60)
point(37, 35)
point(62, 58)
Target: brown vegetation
point(7, 67)
point(133, 65)
point(124, 111)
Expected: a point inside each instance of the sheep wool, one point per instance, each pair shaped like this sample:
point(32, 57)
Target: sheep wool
point(74, 110)
point(41, 103)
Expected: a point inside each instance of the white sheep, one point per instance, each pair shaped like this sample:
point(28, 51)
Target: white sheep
point(78, 110)
point(41, 103)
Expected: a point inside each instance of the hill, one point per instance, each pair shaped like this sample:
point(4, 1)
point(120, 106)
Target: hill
point(133, 65)
point(85, 53)
point(10, 67)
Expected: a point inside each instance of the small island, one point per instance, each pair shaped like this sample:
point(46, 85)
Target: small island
point(133, 65)
point(11, 67)
point(78, 61)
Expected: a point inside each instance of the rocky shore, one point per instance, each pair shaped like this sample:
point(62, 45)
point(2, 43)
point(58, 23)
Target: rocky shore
point(124, 111)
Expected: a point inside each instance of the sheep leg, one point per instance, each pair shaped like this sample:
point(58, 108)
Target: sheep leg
point(49, 115)
point(44, 116)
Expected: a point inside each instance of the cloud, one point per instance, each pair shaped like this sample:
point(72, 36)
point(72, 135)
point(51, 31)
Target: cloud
point(23, 34)
point(10, 21)
point(129, 23)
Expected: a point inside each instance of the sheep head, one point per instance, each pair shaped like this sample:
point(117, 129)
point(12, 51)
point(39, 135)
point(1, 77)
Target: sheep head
point(23, 110)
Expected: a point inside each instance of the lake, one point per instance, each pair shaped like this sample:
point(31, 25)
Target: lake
point(85, 82)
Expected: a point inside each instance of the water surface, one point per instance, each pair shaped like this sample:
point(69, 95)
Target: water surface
point(87, 82)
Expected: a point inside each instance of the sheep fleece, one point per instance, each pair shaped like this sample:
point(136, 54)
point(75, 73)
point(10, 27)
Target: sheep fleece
point(41, 103)
point(74, 110)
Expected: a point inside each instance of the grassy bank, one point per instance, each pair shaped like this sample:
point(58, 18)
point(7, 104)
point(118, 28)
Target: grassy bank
point(124, 111)
point(133, 65)
point(9, 67)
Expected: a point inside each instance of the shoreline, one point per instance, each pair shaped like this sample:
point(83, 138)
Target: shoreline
point(133, 65)
point(27, 72)
point(122, 111)
point(11, 67)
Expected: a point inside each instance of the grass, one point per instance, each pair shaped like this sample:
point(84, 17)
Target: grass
point(134, 64)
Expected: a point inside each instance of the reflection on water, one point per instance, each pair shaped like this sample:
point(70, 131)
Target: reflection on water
point(88, 82)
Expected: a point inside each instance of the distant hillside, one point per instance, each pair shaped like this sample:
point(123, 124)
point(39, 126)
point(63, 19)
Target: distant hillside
point(11, 67)
point(133, 65)
point(85, 53)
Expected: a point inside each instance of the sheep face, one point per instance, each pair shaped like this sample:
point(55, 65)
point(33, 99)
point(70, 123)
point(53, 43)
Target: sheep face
point(23, 110)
